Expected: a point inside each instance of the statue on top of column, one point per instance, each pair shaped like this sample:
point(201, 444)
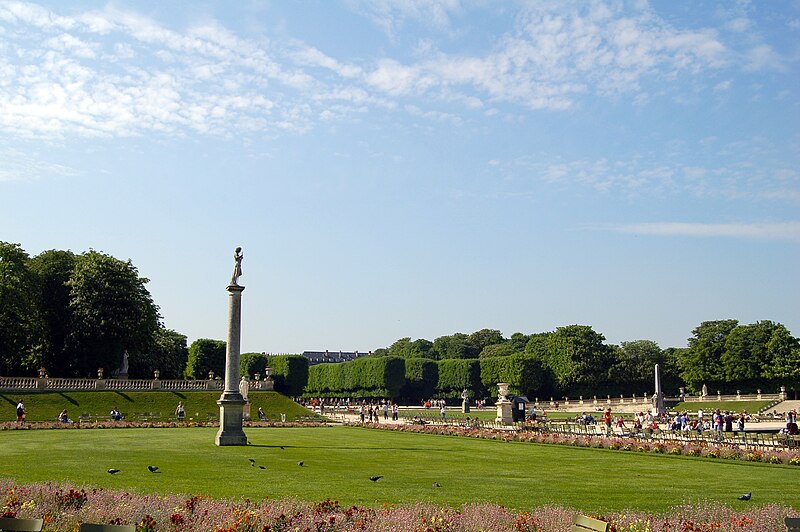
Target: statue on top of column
point(237, 268)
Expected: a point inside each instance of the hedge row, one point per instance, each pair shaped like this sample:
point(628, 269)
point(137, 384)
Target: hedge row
point(290, 373)
point(363, 377)
point(419, 378)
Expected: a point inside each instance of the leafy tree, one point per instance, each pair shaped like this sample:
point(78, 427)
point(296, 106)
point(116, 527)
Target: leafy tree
point(206, 355)
point(167, 353)
point(252, 363)
point(633, 368)
point(19, 316)
point(405, 348)
point(53, 270)
point(485, 337)
point(519, 341)
point(578, 358)
point(112, 312)
point(702, 361)
point(784, 352)
point(454, 346)
point(746, 355)
point(498, 350)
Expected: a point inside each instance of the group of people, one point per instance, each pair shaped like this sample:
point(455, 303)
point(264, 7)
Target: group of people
point(373, 410)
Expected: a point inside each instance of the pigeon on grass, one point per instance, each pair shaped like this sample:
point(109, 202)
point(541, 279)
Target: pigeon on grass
point(746, 496)
point(153, 468)
point(113, 471)
point(375, 478)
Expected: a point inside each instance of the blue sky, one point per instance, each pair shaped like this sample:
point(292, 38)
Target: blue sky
point(399, 168)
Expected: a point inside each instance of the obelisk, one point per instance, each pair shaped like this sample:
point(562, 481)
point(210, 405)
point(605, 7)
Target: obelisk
point(231, 403)
point(658, 397)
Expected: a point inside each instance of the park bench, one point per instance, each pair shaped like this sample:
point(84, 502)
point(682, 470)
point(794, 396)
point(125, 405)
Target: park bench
point(21, 525)
point(792, 524)
point(581, 523)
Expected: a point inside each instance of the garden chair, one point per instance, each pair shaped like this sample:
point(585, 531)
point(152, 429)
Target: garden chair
point(89, 527)
point(14, 524)
point(792, 524)
point(581, 523)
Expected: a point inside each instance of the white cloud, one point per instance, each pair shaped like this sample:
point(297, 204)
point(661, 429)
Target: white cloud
point(763, 57)
point(391, 15)
point(758, 231)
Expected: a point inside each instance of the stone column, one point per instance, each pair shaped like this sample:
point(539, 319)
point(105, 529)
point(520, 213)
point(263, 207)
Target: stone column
point(231, 403)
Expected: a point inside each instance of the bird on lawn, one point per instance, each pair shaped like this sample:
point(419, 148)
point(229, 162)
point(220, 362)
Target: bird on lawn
point(746, 496)
point(437, 485)
point(300, 463)
point(262, 467)
point(252, 462)
point(113, 471)
point(152, 468)
point(375, 478)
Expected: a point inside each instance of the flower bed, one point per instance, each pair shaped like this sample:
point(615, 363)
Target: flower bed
point(697, 449)
point(12, 425)
point(65, 507)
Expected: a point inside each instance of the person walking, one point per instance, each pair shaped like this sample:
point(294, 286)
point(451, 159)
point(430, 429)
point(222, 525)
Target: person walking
point(20, 412)
point(180, 411)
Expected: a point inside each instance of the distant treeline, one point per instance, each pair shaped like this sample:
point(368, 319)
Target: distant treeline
point(571, 361)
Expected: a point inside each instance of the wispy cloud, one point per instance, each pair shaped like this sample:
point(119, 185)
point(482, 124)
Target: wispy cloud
point(116, 72)
point(756, 231)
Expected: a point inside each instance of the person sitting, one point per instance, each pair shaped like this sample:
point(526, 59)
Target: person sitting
point(115, 414)
point(261, 415)
point(63, 417)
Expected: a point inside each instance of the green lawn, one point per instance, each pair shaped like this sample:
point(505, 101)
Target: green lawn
point(45, 406)
point(340, 460)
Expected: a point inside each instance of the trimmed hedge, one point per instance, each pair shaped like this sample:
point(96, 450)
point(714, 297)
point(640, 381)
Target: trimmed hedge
point(524, 373)
point(363, 377)
point(422, 376)
point(457, 374)
point(290, 373)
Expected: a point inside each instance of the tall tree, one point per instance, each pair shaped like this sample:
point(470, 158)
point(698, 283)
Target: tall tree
point(702, 361)
point(746, 355)
point(633, 369)
point(53, 270)
point(578, 358)
point(784, 352)
point(485, 337)
point(112, 312)
point(166, 353)
point(19, 316)
point(454, 346)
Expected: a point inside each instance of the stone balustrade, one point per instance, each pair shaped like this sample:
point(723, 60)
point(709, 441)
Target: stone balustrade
point(61, 384)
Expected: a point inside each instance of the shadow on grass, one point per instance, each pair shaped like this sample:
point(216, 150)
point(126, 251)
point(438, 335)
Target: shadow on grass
point(124, 396)
point(68, 398)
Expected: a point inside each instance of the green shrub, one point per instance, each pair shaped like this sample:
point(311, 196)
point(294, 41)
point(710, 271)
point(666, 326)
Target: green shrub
point(422, 376)
point(290, 373)
point(363, 377)
point(457, 374)
point(524, 373)
point(252, 363)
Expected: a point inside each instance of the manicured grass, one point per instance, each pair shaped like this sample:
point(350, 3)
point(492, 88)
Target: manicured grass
point(733, 406)
point(45, 406)
point(340, 460)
